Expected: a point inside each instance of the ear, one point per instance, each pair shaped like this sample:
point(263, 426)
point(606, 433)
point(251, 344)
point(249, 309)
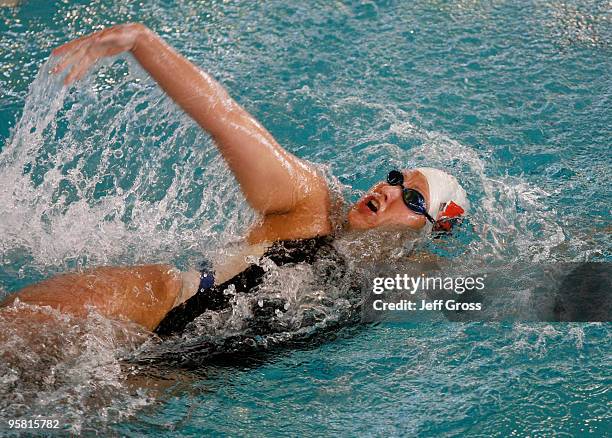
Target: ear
point(449, 216)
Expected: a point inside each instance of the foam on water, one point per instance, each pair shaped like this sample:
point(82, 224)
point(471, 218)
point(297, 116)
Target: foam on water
point(86, 178)
point(56, 366)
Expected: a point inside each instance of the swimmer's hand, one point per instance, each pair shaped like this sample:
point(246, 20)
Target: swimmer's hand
point(84, 52)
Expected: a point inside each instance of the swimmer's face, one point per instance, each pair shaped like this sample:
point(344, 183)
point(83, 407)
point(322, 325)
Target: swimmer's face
point(383, 206)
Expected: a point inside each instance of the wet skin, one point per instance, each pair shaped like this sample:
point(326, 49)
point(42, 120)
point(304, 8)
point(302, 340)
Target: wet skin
point(142, 294)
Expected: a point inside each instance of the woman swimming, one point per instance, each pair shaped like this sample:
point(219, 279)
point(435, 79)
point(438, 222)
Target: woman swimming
point(291, 196)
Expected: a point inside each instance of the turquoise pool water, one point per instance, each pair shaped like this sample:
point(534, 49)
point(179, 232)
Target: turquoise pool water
point(512, 97)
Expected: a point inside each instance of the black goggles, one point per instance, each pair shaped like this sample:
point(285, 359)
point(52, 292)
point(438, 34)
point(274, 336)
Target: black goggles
point(413, 199)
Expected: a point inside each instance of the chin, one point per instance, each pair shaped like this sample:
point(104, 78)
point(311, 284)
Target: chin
point(357, 222)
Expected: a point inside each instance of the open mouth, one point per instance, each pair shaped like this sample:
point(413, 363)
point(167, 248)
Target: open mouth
point(373, 205)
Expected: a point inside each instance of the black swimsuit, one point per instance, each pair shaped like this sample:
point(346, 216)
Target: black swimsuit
point(211, 297)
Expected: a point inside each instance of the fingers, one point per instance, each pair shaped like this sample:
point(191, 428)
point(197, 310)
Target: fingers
point(70, 58)
point(83, 52)
point(74, 53)
point(79, 69)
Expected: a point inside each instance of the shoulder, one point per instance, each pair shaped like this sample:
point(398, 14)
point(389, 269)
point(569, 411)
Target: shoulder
point(308, 218)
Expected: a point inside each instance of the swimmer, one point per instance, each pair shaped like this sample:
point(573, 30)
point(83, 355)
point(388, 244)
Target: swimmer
point(292, 198)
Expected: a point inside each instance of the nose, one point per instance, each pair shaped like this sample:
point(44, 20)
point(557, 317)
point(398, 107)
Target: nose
point(391, 193)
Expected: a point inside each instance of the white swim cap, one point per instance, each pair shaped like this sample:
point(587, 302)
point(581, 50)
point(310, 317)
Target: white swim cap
point(443, 188)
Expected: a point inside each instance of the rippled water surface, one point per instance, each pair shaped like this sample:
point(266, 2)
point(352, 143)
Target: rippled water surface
point(513, 97)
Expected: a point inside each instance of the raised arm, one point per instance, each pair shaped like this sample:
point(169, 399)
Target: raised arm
point(274, 181)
